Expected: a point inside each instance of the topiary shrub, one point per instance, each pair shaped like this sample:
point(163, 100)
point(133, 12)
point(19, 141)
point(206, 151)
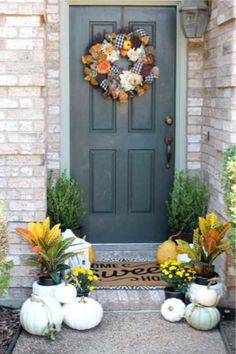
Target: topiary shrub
point(188, 200)
point(65, 203)
point(5, 266)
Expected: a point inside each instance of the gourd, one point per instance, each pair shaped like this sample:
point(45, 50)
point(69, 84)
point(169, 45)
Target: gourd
point(173, 310)
point(200, 317)
point(167, 250)
point(65, 293)
point(41, 316)
point(207, 297)
point(83, 313)
point(91, 255)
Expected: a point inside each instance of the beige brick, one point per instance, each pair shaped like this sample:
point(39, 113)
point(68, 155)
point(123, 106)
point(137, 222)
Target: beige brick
point(23, 21)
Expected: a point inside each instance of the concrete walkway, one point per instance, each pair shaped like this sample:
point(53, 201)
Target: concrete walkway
point(127, 333)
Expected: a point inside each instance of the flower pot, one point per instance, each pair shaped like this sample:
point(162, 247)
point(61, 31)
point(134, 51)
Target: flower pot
point(43, 290)
point(203, 279)
point(171, 292)
point(79, 232)
point(46, 281)
point(84, 293)
point(194, 288)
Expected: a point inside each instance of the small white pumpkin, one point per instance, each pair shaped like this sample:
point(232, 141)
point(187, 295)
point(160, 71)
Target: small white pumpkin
point(41, 316)
point(201, 317)
point(173, 310)
point(207, 297)
point(65, 293)
point(83, 313)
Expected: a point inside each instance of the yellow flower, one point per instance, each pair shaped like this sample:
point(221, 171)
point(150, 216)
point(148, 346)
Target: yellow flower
point(190, 278)
point(91, 288)
point(95, 277)
point(83, 271)
point(170, 276)
point(67, 276)
point(90, 272)
point(172, 268)
point(90, 278)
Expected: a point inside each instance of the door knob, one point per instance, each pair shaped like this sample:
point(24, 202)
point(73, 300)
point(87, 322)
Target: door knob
point(168, 141)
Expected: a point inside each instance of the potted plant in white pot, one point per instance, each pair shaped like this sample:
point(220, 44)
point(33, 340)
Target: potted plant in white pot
point(49, 251)
point(208, 244)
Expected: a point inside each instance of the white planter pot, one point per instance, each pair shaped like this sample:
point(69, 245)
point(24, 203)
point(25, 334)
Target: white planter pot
point(43, 290)
point(192, 292)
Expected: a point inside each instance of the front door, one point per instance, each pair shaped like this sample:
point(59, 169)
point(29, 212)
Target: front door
point(118, 152)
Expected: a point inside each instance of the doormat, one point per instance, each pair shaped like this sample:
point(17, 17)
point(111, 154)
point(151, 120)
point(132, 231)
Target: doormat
point(127, 275)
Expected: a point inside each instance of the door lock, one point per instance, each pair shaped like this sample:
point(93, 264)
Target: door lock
point(168, 141)
point(168, 120)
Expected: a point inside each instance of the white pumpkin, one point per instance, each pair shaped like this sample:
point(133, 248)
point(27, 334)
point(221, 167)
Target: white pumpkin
point(41, 316)
point(201, 317)
point(194, 288)
point(83, 313)
point(173, 310)
point(206, 297)
point(65, 293)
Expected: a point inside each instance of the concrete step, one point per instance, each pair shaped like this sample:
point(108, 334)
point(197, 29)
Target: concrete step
point(128, 300)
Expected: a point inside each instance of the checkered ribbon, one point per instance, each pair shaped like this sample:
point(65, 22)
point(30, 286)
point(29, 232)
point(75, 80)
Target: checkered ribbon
point(149, 79)
point(140, 31)
point(119, 40)
point(104, 84)
point(137, 68)
point(115, 70)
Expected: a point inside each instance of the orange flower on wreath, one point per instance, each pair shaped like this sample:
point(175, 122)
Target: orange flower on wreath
point(104, 67)
point(95, 48)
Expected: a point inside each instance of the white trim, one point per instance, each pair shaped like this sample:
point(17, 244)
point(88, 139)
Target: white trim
point(181, 63)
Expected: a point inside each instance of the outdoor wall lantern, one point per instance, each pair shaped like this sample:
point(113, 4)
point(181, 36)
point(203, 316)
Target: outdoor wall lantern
point(194, 15)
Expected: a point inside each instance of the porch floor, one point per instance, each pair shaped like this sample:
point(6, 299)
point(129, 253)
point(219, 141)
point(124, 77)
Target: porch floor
point(127, 333)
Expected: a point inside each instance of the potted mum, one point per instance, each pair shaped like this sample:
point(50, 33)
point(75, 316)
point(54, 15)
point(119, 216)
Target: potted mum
point(208, 244)
point(178, 275)
point(49, 250)
point(82, 279)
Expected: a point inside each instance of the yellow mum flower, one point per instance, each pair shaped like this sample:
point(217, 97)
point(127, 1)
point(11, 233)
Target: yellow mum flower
point(83, 271)
point(95, 277)
point(172, 268)
point(90, 277)
point(170, 276)
point(90, 272)
point(91, 288)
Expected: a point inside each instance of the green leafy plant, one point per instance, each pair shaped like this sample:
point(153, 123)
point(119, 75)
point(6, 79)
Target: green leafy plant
point(65, 204)
point(229, 185)
point(5, 266)
point(208, 243)
point(49, 248)
point(177, 274)
point(188, 199)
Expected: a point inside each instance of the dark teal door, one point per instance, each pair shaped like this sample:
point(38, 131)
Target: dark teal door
point(118, 151)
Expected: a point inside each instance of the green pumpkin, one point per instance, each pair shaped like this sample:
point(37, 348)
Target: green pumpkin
point(201, 317)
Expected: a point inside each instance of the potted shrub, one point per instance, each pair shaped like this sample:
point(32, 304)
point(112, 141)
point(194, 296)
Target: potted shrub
point(50, 250)
point(65, 206)
point(65, 203)
point(188, 200)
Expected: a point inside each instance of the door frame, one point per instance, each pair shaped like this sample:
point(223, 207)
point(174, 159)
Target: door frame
point(181, 77)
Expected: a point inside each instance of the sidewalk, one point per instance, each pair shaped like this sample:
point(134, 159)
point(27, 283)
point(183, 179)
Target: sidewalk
point(127, 333)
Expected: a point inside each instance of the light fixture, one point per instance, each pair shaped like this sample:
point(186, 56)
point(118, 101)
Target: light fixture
point(194, 15)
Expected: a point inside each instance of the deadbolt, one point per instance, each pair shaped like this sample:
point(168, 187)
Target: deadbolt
point(168, 120)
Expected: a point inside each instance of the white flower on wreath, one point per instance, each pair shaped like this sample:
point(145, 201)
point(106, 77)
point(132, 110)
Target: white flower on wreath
point(134, 54)
point(111, 53)
point(129, 80)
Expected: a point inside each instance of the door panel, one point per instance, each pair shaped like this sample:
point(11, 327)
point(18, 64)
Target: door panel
point(117, 150)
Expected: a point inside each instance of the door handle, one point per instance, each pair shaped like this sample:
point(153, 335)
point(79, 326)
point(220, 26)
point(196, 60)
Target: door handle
point(168, 141)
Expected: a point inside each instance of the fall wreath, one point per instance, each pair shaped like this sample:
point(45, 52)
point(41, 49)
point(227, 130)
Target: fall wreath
point(120, 84)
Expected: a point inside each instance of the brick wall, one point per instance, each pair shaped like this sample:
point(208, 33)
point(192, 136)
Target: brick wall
point(29, 118)
point(30, 111)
